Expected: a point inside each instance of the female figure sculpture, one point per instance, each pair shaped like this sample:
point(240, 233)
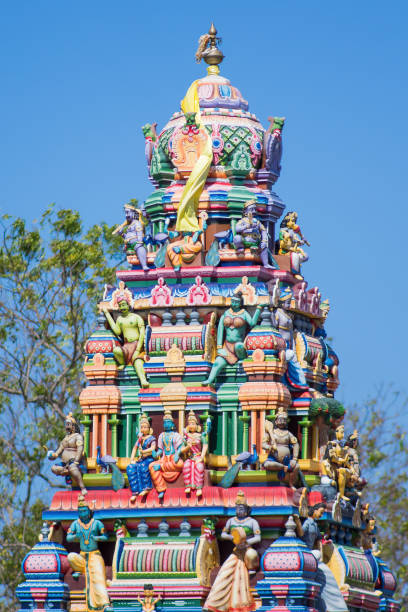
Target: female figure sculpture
point(138, 470)
point(233, 324)
point(194, 464)
point(230, 591)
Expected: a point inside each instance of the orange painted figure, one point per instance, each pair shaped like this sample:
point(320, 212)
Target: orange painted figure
point(168, 465)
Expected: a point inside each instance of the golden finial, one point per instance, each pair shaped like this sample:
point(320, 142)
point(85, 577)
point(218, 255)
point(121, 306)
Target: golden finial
point(208, 50)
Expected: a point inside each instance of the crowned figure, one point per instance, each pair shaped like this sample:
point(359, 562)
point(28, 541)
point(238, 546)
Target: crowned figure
point(89, 531)
point(196, 450)
point(168, 464)
point(140, 481)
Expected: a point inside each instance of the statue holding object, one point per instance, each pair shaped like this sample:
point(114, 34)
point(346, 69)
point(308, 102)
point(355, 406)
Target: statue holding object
point(230, 591)
point(71, 451)
point(282, 448)
point(140, 481)
point(132, 232)
point(131, 327)
point(309, 531)
point(89, 531)
point(196, 449)
point(168, 464)
point(251, 527)
point(251, 233)
point(233, 324)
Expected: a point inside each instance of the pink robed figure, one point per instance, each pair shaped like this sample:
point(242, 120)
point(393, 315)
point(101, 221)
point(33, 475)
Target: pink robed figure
point(196, 450)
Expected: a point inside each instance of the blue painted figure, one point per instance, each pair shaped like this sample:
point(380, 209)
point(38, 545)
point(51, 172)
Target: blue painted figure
point(138, 470)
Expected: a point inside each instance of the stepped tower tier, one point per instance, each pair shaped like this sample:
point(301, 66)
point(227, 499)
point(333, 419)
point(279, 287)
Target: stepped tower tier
point(209, 417)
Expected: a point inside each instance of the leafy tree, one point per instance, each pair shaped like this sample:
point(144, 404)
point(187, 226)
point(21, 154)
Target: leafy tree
point(51, 278)
point(383, 450)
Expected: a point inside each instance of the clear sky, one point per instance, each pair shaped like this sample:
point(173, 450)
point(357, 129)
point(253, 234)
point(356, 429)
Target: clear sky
point(80, 77)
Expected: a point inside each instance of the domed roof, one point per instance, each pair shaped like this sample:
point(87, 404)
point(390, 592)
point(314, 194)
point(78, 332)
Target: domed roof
point(215, 91)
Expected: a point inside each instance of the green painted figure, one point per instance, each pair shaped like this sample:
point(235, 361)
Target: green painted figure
point(234, 325)
point(89, 531)
point(131, 327)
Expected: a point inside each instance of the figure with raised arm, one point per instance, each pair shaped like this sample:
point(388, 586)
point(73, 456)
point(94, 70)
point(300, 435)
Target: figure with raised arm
point(131, 327)
point(232, 330)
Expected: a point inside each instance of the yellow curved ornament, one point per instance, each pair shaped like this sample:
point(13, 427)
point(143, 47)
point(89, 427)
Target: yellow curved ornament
point(188, 207)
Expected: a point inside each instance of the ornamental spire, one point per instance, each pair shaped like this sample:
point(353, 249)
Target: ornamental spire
point(208, 50)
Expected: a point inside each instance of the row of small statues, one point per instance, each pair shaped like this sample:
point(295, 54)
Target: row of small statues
point(156, 463)
point(249, 233)
point(232, 330)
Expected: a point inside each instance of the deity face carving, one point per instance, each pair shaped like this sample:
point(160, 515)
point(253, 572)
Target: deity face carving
point(168, 425)
point(129, 215)
point(281, 422)
point(340, 432)
point(123, 307)
point(236, 303)
point(84, 514)
point(69, 426)
point(192, 425)
point(144, 428)
point(241, 511)
point(250, 210)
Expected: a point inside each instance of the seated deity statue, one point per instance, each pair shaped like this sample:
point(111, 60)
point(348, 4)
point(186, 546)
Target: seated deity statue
point(282, 448)
point(168, 463)
point(71, 451)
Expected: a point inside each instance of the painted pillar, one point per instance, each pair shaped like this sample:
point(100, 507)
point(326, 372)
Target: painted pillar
point(114, 422)
point(86, 422)
point(305, 424)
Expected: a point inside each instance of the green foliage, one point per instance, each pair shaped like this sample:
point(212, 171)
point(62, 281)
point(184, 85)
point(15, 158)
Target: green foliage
point(382, 427)
point(51, 278)
point(327, 407)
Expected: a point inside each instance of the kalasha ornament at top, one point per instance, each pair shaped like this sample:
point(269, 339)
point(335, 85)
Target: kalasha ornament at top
point(214, 463)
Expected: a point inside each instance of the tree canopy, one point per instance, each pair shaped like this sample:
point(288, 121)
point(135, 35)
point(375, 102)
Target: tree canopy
point(51, 278)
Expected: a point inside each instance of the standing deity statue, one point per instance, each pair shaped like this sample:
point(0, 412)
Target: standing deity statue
point(251, 527)
point(251, 233)
point(89, 531)
point(351, 445)
point(290, 242)
point(140, 481)
point(131, 327)
point(167, 465)
point(132, 232)
point(230, 591)
point(149, 601)
point(336, 463)
point(196, 449)
point(233, 324)
point(282, 448)
point(71, 451)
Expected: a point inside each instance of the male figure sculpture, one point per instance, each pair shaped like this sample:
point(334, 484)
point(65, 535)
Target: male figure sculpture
point(71, 451)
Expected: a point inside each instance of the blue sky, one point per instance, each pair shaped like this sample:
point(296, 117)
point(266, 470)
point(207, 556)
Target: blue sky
point(80, 78)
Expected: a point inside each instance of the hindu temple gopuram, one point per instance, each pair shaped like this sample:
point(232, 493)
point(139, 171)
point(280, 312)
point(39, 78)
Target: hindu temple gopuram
point(210, 465)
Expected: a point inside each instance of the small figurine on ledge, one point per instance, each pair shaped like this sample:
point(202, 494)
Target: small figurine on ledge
point(138, 472)
point(71, 451)
point(167, 465)
point(132, 232)
point(149, 601)
point(243, 519)
point(196, 449)
point(234, 323)
point(282, 448)
point(251, 233)
point(131, 327)
point(89, 531)
point(185, 249)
